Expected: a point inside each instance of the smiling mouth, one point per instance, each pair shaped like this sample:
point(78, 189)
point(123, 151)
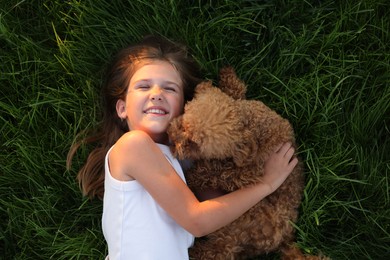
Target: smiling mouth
point(156, 111)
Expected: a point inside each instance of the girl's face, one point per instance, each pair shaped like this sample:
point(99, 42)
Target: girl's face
point(154, 97)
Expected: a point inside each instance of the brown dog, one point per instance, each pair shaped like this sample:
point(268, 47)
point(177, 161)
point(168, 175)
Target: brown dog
point(229, 138)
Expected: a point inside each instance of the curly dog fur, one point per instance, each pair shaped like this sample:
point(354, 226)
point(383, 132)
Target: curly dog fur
point(229, 138)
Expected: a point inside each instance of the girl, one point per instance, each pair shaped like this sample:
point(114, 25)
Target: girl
point(148, 211)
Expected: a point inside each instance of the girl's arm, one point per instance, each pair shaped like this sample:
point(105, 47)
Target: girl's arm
point(136, 156)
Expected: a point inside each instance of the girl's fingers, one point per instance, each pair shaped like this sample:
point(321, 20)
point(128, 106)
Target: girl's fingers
point(278, 147)
point(293, 163)
point(290, 152)
point(285, 148)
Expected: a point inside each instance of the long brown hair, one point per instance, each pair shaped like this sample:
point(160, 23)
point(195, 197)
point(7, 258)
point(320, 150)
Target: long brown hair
point(126, 62)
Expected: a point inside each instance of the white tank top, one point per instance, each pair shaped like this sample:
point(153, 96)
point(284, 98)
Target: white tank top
point(135, 226)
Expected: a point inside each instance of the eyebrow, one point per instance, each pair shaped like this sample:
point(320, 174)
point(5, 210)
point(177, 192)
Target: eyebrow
point(164, 81)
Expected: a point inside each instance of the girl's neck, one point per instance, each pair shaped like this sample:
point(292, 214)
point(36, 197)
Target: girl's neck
point(160, 139)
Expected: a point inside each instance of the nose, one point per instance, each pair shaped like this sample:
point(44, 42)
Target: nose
point(156, 93)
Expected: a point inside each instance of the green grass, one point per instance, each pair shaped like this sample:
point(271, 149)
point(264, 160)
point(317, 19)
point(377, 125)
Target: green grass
point(325, 66)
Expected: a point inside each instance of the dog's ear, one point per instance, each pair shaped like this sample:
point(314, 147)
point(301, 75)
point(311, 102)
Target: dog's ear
point(174, 131)
point(178, 138)
point(231, 84)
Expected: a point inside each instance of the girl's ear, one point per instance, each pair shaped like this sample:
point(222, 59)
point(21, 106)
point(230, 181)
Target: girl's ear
point(121, 109)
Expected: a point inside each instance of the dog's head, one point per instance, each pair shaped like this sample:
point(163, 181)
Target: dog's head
point(210, 126)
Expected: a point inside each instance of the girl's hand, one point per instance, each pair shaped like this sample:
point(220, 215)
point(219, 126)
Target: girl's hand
point(279, 166)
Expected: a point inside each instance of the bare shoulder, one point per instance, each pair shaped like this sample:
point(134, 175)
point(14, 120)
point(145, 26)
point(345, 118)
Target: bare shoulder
point(133, 139)
point(125, 153)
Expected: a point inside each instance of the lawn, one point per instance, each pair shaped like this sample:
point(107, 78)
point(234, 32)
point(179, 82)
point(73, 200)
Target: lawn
point(324, 65)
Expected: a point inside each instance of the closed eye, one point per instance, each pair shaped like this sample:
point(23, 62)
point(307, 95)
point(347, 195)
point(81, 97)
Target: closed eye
point(170, 89)
point(143, 86)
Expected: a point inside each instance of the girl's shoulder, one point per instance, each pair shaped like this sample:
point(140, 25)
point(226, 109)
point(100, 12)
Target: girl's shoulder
point(123, 154)
point(134, 138)
point(135, 154)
